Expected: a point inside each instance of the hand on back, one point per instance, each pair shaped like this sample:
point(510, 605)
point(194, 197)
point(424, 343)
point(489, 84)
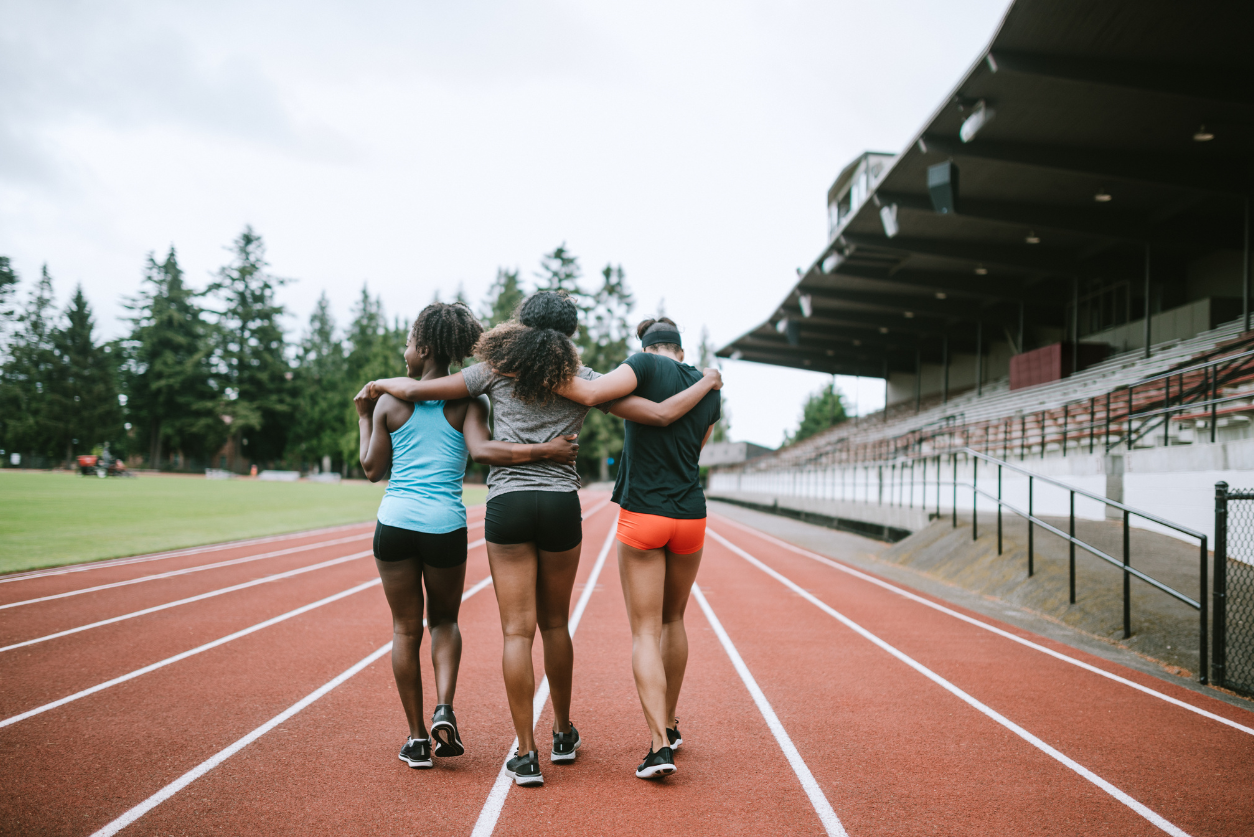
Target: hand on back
point(716, 375)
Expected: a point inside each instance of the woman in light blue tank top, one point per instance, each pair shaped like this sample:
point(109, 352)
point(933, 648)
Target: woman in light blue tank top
point(421, 534)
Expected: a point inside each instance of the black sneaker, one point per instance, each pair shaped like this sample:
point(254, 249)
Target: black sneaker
point(565, 744)
point(444, 731)
point(417, 752)
point(661, 763)
point(672, 736)
point(525, 769)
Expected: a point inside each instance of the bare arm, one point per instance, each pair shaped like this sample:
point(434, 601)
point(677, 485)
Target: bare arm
point(375, 443)
point(563, 449)
point(448, 388)
point(619, 383)
point(643, 411)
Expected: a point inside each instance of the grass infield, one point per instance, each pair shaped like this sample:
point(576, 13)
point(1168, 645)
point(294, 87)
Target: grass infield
point(53, 518)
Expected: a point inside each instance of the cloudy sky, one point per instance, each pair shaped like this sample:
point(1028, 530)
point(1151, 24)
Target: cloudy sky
point(417, 146)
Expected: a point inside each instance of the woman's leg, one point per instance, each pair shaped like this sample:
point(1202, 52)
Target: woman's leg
point(554, 583)
point(643, 573)
point(514, 570)
point(681, 574)
point(444, 601)
point(402, 585)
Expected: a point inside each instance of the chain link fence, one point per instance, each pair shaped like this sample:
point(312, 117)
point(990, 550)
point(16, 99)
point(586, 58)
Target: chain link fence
point(1234, 589)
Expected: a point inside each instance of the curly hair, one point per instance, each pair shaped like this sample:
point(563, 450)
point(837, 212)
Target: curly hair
point(662, 323)
point(450, 331)
point(535, 347)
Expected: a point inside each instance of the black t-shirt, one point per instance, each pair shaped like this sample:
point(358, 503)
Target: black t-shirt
point(659, 473)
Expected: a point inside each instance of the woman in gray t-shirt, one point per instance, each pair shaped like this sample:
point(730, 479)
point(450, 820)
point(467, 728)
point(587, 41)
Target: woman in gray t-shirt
point(534, 525)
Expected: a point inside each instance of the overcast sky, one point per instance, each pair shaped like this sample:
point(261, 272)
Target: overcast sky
point(417, 146)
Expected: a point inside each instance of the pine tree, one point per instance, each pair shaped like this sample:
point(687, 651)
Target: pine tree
point(321, 389)
point(168, 376)
point(504, 295)
point(375, 351)
point(602, 342)
point(706, 359)
point(8, 290)
point(28, 371)
point(82, 395)
point(560, 271)
point(252, 351)
point(823, 409)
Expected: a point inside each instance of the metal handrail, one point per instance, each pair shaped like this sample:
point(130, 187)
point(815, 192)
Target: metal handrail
point(1194, 368)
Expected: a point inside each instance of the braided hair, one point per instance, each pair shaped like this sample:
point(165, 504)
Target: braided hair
point(535, 346)
point(660, 324)
point(449, 331)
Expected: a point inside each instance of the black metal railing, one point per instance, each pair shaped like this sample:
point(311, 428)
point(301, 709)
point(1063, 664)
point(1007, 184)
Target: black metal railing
point(1233, 666)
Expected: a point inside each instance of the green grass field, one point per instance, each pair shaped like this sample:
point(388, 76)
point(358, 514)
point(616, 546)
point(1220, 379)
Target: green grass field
point(47, 519)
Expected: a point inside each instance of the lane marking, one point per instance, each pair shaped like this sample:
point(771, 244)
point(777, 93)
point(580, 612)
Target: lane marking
point(831, 822)
point(203, 596)
point(1058, 655)
point(1154, 818)
point(218, 758)
point(491, 811)
point(194, 550)
point(185, 571)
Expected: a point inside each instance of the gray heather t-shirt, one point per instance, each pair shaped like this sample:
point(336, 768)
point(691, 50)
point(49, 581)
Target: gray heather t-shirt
point(528, 424)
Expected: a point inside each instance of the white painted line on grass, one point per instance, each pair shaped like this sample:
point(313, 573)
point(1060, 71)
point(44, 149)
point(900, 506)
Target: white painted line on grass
point(491, 811)
point(1058, 655)
point(831, 822)
point(209, 764)
point(185, 571)
point(1156, 819)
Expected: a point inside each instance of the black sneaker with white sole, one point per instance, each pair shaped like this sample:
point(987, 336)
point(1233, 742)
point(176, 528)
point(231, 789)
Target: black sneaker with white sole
point(672, 736)
point(661, 763)
point(444, 730)
point(416, 752)
point(565, 744)
point(525, 769)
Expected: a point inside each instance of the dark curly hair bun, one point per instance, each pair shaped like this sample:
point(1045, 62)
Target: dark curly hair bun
point(549, 309)
point(449, 331)
point(538, 359)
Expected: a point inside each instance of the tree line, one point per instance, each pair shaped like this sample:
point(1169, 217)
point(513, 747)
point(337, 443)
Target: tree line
point(210, 378)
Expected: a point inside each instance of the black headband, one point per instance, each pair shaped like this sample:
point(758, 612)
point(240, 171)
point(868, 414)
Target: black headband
point(660, 336)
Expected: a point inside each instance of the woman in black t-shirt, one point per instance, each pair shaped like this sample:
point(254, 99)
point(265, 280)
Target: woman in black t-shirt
point(661, 528)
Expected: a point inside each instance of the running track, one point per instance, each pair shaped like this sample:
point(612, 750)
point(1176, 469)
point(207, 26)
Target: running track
point(245, 688)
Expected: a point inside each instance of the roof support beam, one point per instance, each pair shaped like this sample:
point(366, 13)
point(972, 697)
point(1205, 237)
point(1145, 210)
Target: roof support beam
point(991, 288)
point(1030, 257)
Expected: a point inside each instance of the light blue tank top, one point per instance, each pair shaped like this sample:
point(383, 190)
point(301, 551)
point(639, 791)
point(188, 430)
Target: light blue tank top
point(428, 462)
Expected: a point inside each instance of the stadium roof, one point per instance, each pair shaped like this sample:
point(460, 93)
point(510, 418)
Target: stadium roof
point(1097, 149)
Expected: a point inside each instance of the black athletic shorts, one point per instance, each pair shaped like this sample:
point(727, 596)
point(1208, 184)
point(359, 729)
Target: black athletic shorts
point(552, 520)
point(444, 550)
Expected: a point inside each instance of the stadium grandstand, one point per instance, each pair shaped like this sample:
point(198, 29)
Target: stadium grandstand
point(1054, 272)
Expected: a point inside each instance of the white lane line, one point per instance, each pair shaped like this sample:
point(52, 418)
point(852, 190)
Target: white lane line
point(194, 550)
point(209, 764)
point(187, 570)
point(491, 811)
point(1156, 819)
point(211, 594)
point(1058, 655)
point(831, 822)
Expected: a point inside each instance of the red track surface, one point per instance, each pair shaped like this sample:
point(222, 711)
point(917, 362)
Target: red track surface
point(892, 751)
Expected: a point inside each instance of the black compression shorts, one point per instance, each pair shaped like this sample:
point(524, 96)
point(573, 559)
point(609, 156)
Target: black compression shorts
point(552, 520)
point(444, 550)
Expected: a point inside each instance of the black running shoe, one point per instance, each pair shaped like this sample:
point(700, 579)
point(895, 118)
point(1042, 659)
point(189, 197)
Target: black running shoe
point(565, 744)
point(417, 752)
point(525, 769)
point(672, 736)
point(661, 763)
point(444, 730)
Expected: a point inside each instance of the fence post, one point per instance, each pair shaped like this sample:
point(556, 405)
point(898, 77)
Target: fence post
point(1167, 415)
point(1030, 544)
point(975, 498)
point(1092, 421)
point(1219, 665)
point(1203, 652)
point(1213, 411)
point(1127, 579)
point(1072, 545)
point(999, 509)
point(955, 461)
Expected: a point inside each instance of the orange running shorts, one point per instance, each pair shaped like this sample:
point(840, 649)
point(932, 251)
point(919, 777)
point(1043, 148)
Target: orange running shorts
point(652, 531)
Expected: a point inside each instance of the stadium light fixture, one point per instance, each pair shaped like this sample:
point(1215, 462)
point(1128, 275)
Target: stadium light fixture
point(807, 305)
point(980, 116)
point(737, 355)
point(888, 217)
point(942, 187)
point(1032, 237)
point(981, 270)
point(883, 329)
point(831, 353)
point(1203, 135)
point(909, 315)
point(1102, 196)
point(941, 295)
point(832, 262)
point(857, 343)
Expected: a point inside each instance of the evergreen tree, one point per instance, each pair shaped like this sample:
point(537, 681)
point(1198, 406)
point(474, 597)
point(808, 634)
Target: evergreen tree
point(8, 290)
point(82, 395)
point(602, 342)
point(252, 351)
point(28, 372)
point(705, 360)
point(375, 351)
point(172, 399)
point(504, 295)
point(823, 409)
point(560, 271)
point(321, 389)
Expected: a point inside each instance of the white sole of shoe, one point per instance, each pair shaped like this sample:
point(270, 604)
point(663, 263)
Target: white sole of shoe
point(446, 738)
point(561, 758)
point(413, 763)
point(655, 770)
point(525, 780)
